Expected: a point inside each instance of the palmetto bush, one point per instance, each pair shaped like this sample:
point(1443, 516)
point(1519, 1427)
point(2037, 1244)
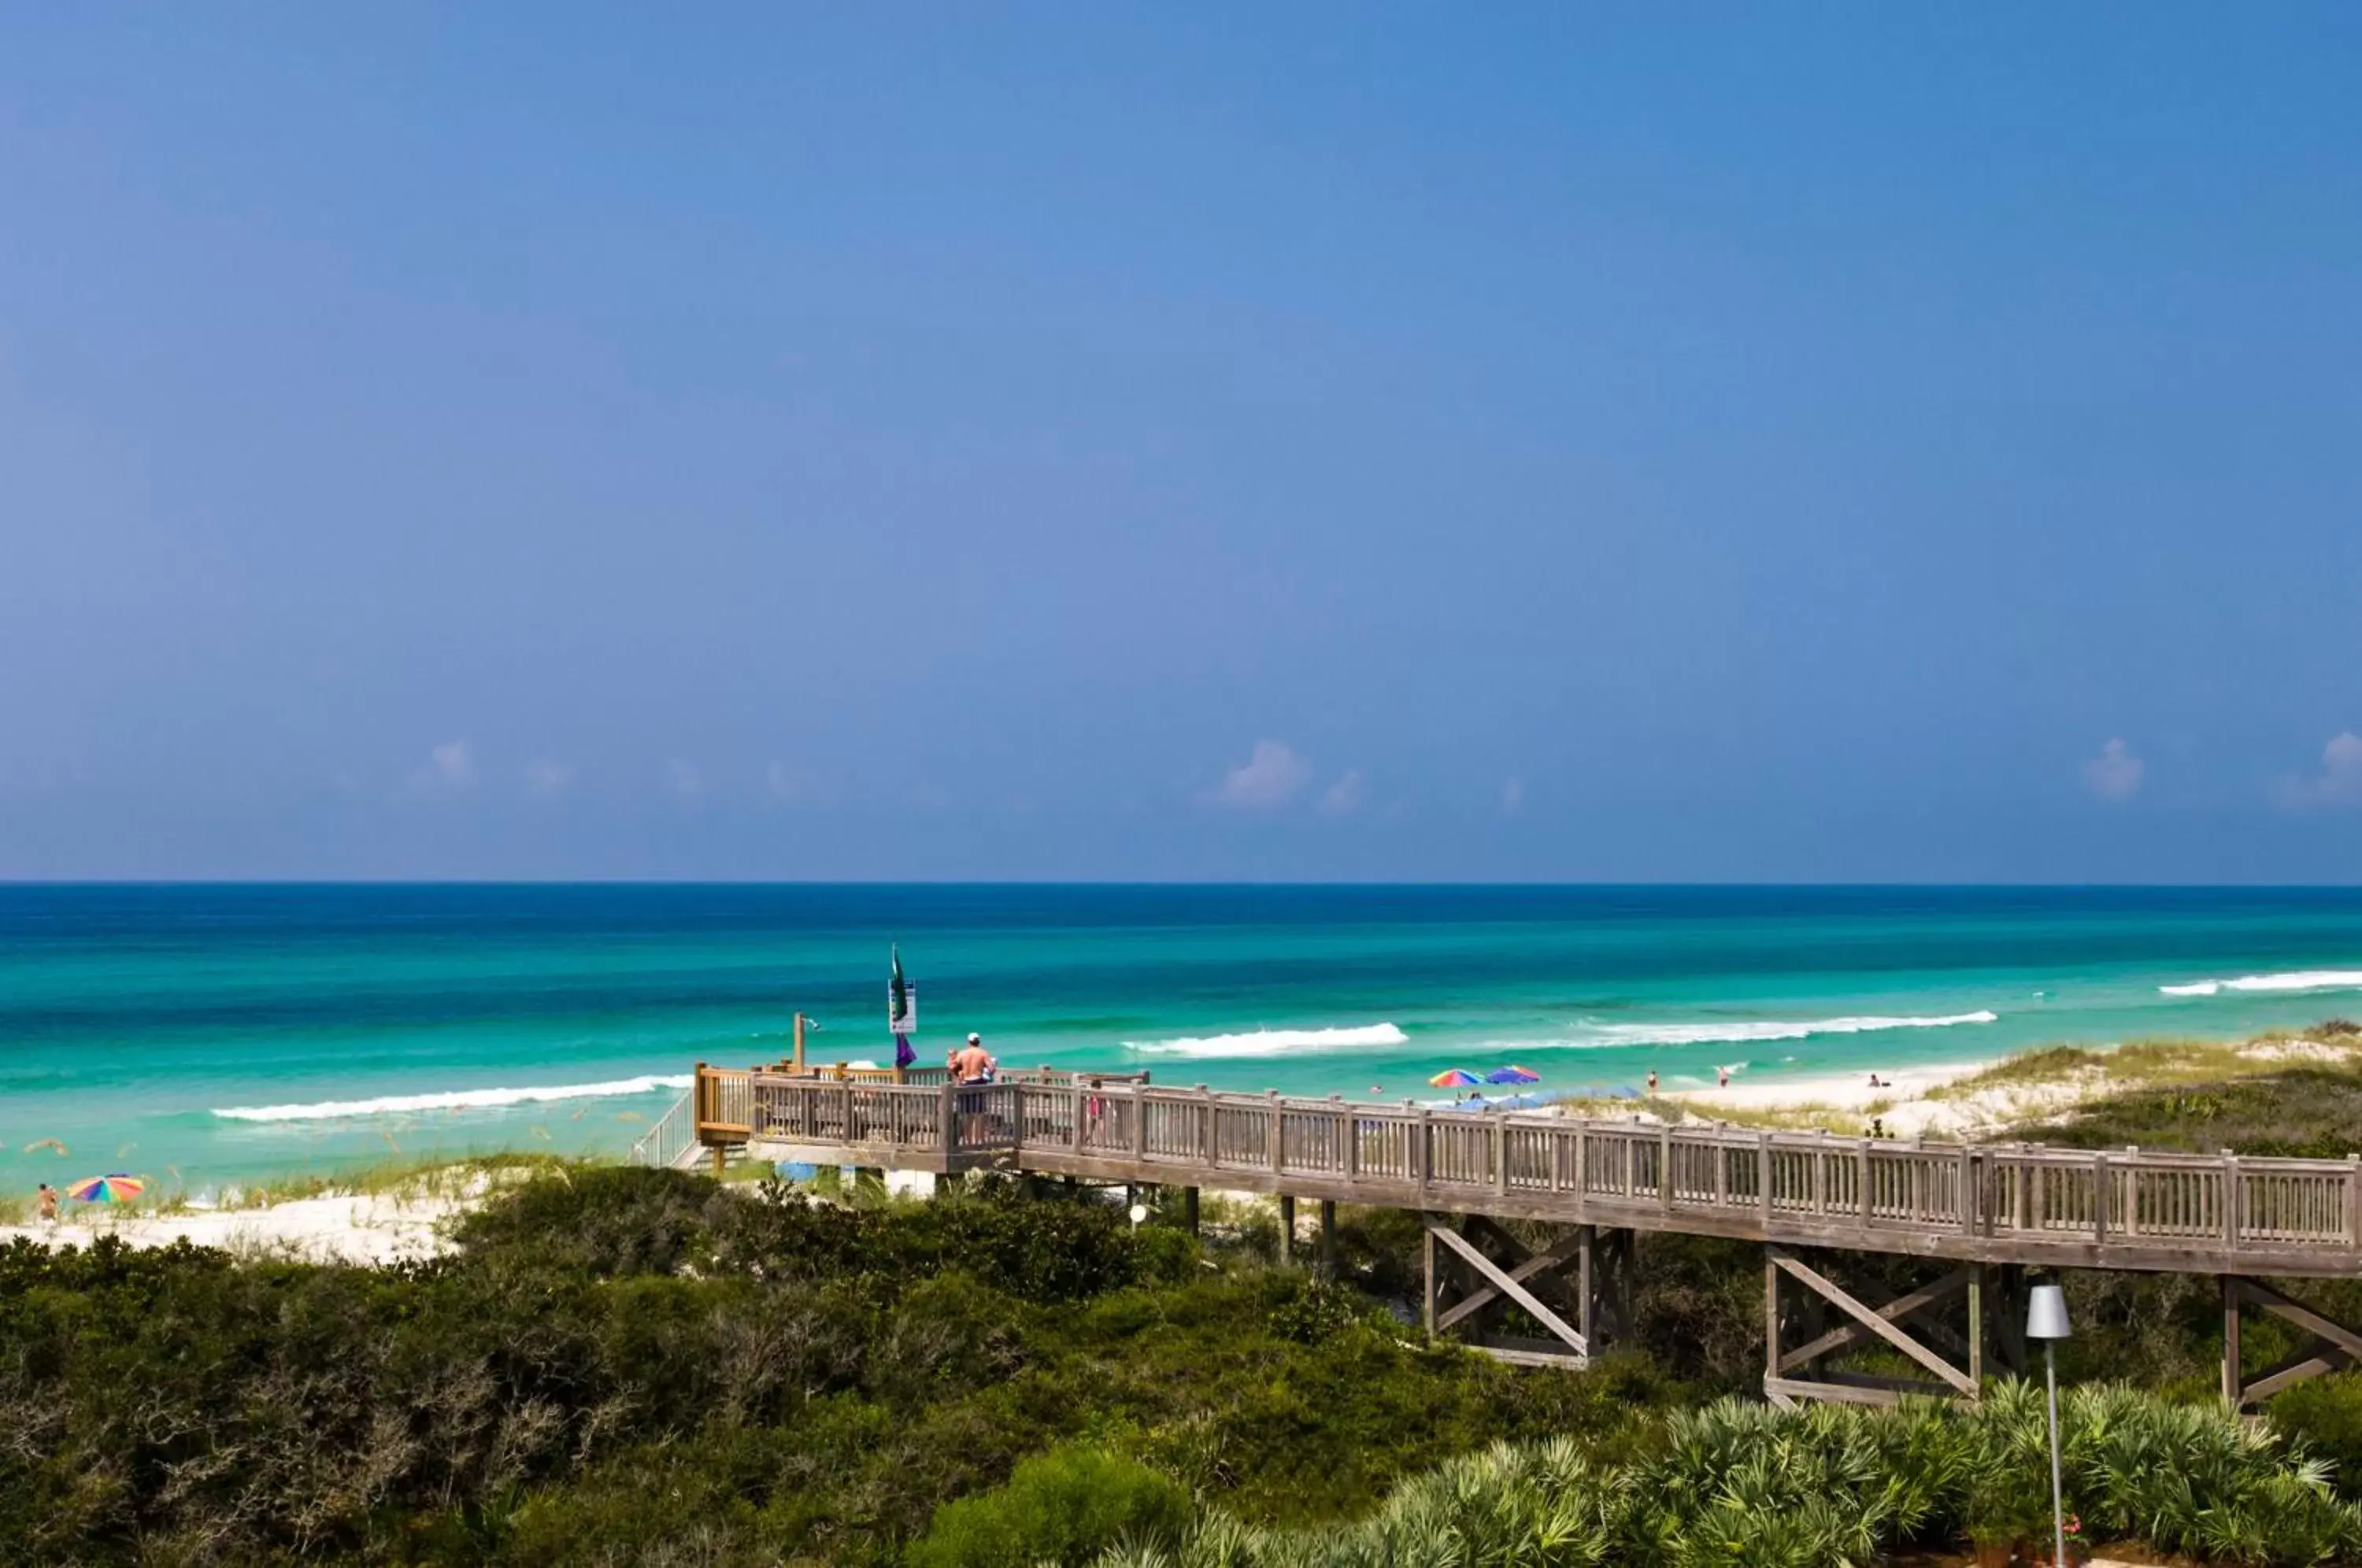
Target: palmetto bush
point(1742, 1486)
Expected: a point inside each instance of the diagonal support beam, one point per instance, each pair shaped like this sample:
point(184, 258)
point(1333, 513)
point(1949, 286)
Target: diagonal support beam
point(1795, 1270)
point(1902, 1308)
point(1514, 1290)
point(2311, 1362)
point(2302, 1316)
point(1557, 1257)
point(2334, 1347)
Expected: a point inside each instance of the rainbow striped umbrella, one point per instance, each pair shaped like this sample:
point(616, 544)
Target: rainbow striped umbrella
point(118, 1187)
point(1457, 1077)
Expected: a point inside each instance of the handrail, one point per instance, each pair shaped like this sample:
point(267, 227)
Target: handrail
point(675, 1131)
point(934, 1078)
point(1958, 1198)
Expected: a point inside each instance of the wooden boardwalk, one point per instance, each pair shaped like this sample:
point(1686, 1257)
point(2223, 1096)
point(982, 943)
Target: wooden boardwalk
point(2005, 1205)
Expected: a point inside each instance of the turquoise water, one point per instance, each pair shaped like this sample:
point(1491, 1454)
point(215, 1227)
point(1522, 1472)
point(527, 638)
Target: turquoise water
point(205, 1034)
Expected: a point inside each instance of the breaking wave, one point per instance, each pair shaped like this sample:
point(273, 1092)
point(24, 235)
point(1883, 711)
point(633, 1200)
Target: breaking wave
point(1608, 1034)
point(2294, 980)
point(455, 1100)
point(1273, 1042)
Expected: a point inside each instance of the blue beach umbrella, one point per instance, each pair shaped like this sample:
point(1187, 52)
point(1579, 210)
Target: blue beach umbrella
point(1512, 1076)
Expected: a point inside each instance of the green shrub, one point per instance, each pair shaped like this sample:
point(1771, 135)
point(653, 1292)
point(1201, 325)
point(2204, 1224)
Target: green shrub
point(603, 1219)
point(1742, 1485)
point(2324, 1414)
point(1311, 1311)
point(1061, 1508)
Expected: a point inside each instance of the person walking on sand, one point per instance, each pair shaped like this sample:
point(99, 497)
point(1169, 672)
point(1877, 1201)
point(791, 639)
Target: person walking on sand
point(48, 1205)
point(1721, 1078)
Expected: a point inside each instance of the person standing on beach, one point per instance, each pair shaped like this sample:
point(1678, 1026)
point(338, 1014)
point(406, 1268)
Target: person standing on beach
point(49, 1204)
point(1652, 1080)
point(1721, 1078)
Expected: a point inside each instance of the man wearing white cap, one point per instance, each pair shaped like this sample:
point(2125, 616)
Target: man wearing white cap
point(972, 1067)
point(973, 1064)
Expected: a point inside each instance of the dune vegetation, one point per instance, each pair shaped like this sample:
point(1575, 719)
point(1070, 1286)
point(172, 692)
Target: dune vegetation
point(620, 1367)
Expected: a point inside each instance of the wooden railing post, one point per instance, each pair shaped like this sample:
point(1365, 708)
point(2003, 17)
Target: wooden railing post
point(1139, 1124)
point(1966, 1194)
point(1763, 1180)
point(1665, 1166)
point(2128, 1218)
point(1499, 1143)
point(2099, 1199)
point(1422, 1149)
point(2354, 1199)
point(947, 1114)
point(1210, 1133)
point(2230, 1200)
point(1275, 1137)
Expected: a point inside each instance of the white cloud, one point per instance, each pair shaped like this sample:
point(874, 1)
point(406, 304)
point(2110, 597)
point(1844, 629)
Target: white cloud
point(2115, 774)
point(1343, 797)
point(1265, 781)
point(1513, 794)
point(2338, 782)
point(450, 768)
point(790, 784)
point(544, 778)
point(683, 779)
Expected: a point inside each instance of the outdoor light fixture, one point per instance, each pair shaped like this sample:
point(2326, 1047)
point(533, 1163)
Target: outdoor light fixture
point(2046, 1319)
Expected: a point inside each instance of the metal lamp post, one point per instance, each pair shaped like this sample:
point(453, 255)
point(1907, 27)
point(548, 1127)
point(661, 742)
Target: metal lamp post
point(2046, 1319)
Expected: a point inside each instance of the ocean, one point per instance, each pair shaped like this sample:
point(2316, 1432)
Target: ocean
point(207, 1035)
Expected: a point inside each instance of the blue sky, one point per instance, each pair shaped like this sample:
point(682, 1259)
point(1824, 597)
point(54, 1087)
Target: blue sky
point(1717, 443)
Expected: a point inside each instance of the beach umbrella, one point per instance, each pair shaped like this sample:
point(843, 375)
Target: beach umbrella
point(1512, 1076)
point(114, 1189)
point(1457, 1077)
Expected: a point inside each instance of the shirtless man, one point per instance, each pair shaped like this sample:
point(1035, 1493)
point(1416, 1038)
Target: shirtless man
point(973, 1064)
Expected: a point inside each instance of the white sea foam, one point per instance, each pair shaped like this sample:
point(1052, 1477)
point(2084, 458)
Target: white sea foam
point(2294, 980)
point(1273, 1041)
point(455, 1100)
point(1608, 1034)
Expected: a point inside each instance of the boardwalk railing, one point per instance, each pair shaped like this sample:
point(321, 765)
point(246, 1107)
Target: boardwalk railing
point(2005, 1202)
point(921, 1078)
point(670, 1140)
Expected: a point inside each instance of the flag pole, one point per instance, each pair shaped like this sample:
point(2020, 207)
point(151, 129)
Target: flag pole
point(800, 1044)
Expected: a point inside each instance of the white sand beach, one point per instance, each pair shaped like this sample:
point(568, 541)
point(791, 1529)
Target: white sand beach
point(363, 1229)
point(1941, 1101)
point(1901, 1102)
